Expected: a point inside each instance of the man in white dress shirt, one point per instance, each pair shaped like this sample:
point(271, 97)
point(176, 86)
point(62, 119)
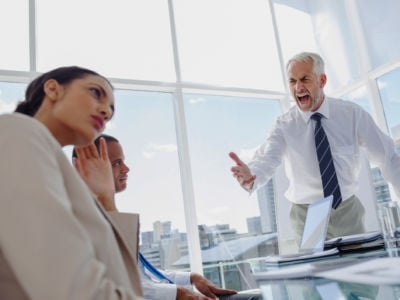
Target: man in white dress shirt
point(348, 128)
point(180, 285)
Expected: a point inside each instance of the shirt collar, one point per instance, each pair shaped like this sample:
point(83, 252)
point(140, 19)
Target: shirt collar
point(323, 110)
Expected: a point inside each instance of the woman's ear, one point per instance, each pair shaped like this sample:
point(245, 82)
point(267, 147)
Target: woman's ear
point(52, 89)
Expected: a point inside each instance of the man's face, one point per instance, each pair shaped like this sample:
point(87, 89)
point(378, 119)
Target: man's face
point(305, 86)
point(119, 168)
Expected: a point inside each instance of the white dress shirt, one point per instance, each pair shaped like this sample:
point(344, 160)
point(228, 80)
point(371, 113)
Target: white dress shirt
point(349, 129)
point(153, 289)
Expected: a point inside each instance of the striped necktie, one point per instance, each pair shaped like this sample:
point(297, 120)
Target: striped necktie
point(153, 270)
point(329, 179)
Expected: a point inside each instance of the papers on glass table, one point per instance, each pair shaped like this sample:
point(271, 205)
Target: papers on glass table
point(354, 239)
point(302, 270)
point(297, 271)
point(299, 258)
point(379, 271)
point(356, 242)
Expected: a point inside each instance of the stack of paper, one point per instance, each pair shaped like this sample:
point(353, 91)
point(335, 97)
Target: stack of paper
point(303, 270)
point(299, 257)
point(379, 271)
point(356, 242)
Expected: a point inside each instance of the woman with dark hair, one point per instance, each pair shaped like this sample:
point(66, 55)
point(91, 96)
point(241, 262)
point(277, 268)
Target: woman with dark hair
point(54, 242)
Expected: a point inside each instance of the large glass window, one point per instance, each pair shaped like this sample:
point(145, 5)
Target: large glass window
point(359, 96)
point(216, 126)
point(389, 90)
point(380, 21)
point(123, 39)
point(14, 33)
point(10, 95)
point(144, 125)
point(289, 18)
point(225, 45)
point(333, 32)
point(234, 226)
point(228, 43)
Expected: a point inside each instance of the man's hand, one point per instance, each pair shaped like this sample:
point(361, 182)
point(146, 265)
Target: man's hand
point(242, 173)
point(207, 288)
point(95, 169)
point(183, 293)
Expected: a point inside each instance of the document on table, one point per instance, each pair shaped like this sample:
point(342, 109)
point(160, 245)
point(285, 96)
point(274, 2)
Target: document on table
point(303, 270)
point(298, 271)
point(354, 239)
point(299, 258)
point(379, 271)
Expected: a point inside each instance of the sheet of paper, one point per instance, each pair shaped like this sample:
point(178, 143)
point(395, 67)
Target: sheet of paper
point(297, 271)
point(379, 271)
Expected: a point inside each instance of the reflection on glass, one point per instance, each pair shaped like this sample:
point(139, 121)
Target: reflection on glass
point(234, 226)
point(389, 90)
point(10, 95)
point(390, 96)
point(381, 187)
point(318, 288)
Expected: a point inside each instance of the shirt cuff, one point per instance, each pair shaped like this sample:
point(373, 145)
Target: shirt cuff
point(182, 278)
point(165, 291)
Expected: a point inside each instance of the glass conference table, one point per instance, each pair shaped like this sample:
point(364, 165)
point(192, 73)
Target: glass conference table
point(309, 287)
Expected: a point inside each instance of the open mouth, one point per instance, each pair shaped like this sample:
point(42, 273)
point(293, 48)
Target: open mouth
point(303, 99)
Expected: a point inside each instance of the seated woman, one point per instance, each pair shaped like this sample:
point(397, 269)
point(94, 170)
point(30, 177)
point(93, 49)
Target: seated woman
point(54, 241)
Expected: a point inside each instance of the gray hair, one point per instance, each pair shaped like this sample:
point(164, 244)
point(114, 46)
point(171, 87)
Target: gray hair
point(318, 62)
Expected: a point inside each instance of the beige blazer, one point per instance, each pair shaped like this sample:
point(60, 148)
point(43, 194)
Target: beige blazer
point(126, 229)
point(54, 241)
